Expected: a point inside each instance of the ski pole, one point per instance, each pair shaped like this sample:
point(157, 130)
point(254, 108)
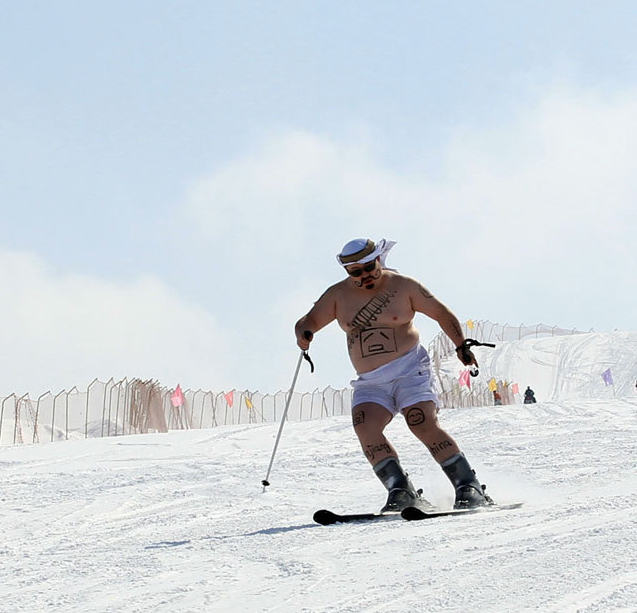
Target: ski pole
point(304, 355)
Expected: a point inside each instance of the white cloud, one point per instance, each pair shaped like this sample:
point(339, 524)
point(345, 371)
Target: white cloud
point(64, 330)
point(524, 222)
point(565, 164)
point(518, 223)
point(289, 192)
point(564, 171)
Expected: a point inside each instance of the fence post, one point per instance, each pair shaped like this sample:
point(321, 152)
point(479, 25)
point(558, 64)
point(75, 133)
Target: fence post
point(214, 411)
point(17, 427)
point(2, 413)
point(301, 405)
point(275, 397)
point(119, 394)
point(88, 395)
point(71, 391)
point(37, 414)
point(104, 404)
point(55, 399)
point(110, 409)
point(123, 388)
point(262, 406)
point(203, 407)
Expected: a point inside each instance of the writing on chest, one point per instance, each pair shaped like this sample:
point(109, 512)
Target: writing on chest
point(382, 309)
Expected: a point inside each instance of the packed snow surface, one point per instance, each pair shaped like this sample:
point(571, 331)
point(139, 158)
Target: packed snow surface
point(178, 522)
point(558, 368)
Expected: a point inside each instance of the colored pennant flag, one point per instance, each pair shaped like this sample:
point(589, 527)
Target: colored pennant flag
point(177, 397)
point(470, 324)
point(493, 385)
point(608, 377)
point(465, 378)
point(229, 398)
point(515, 389)
point(249, 403)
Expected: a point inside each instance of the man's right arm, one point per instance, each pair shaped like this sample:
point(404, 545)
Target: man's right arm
point(322, 313)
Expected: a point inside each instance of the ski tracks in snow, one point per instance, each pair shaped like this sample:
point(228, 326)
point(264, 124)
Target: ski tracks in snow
point(177, 523)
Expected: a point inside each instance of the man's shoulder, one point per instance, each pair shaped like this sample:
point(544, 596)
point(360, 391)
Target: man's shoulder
point(332, 291)
point(338, 287)
point(409, 286)
point(402, 280)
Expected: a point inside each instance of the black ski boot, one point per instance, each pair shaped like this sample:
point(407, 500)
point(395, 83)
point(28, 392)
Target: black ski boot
point(402, 493)
point(469, 492)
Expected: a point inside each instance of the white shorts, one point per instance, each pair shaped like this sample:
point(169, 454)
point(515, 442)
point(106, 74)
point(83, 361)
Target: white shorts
point(399, 384)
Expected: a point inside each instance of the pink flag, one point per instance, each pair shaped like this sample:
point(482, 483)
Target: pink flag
point(229, 398)
point(465, 379)
point(608, 377)
point(177, 397)
point(515, 389)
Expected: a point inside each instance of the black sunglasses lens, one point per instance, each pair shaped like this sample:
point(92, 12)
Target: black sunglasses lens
point(367, 268)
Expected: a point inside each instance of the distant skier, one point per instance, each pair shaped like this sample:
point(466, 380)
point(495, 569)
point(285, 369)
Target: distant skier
point(529, 396)
point(497, 398)
point(375, 306)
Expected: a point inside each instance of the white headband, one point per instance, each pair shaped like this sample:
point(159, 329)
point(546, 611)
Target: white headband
point(363, 250)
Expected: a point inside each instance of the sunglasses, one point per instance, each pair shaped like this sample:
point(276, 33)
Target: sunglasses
point(359, 271)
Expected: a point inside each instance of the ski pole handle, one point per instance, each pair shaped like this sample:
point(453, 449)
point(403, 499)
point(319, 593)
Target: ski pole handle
point(465, 350)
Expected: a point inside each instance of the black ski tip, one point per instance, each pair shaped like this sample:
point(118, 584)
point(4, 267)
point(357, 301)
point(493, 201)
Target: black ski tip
point(325, 517)
point(413, 513)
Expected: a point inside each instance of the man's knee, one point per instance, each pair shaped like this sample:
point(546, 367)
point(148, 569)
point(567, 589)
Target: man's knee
point(370, 421)
point(422, 417)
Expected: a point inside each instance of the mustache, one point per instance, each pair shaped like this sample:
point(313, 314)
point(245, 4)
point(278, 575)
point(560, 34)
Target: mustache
point(364, 280)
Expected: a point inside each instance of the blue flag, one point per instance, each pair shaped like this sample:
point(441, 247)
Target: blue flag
point(608, 377)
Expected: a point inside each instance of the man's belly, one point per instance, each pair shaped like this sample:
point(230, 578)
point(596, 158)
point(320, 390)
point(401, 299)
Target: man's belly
point(374, 347)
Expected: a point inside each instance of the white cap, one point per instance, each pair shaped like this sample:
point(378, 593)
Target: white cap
point(363, 250)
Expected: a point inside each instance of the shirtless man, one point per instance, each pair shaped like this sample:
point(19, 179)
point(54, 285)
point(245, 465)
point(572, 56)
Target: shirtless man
point(375, 306)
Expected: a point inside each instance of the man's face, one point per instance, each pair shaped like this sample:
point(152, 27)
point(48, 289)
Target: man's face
point(365, 275)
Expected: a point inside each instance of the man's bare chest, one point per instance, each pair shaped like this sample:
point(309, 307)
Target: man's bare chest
point(387, 308)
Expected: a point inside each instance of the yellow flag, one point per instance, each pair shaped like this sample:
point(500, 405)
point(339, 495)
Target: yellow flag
point(493, 385)
point(249, 403)
point(470, 324)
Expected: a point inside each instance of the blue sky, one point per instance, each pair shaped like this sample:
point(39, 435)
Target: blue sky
point(176, 177)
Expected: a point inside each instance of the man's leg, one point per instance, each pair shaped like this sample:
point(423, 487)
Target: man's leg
point(370, 419)
point(422, 420)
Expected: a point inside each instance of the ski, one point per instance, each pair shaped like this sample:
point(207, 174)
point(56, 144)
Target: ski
point(416, 513)
point(327, 518)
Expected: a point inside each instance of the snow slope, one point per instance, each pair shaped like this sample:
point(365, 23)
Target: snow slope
point(560, 367)
point(178, 522)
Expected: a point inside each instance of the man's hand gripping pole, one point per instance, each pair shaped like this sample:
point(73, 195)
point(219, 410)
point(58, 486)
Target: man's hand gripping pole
point(466, 355)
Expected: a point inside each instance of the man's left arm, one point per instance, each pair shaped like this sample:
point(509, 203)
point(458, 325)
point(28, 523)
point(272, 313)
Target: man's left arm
point(423, 301)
